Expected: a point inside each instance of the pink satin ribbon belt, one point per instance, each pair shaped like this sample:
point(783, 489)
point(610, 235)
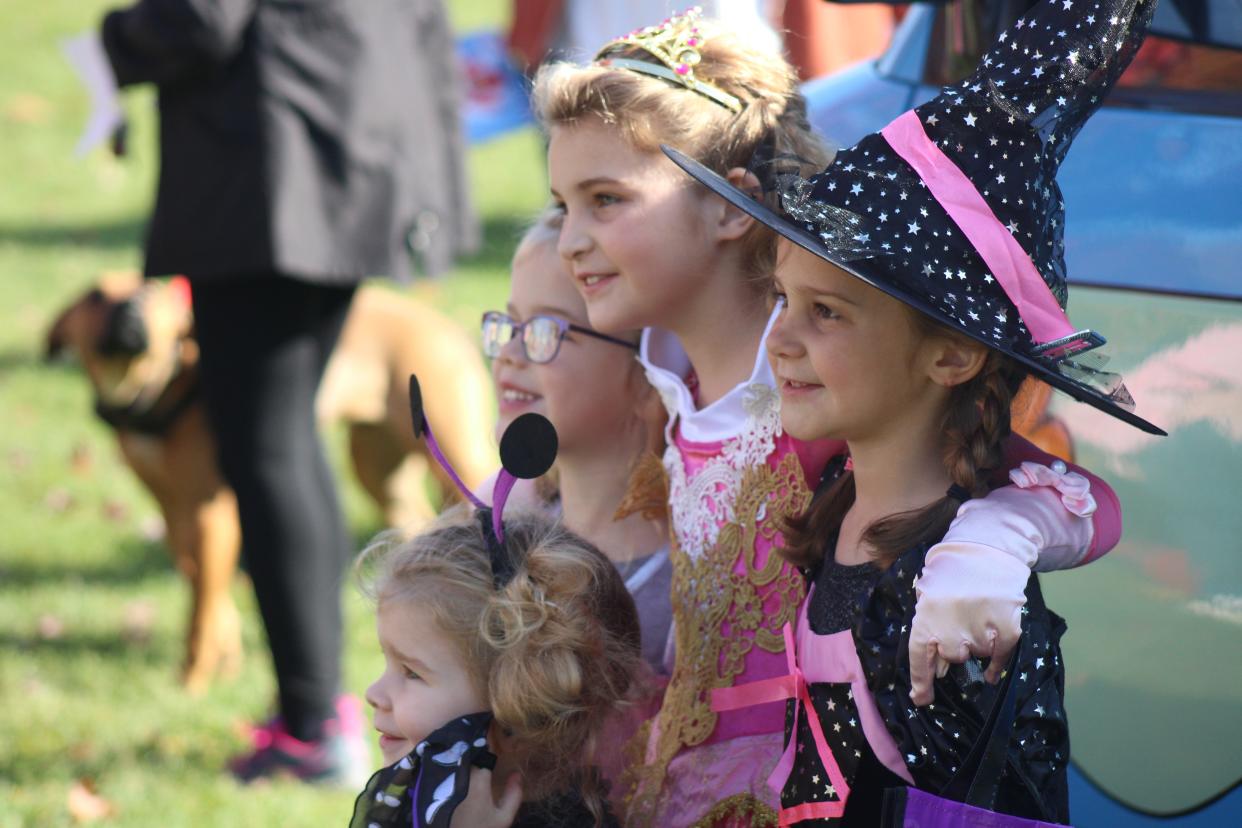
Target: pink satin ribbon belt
point(781, 688)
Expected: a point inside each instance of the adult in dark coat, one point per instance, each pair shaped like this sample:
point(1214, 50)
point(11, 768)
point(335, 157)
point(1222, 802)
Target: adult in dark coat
point(305, 145)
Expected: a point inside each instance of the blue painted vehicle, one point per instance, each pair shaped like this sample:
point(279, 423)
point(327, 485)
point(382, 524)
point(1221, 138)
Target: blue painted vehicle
point(1153, 192)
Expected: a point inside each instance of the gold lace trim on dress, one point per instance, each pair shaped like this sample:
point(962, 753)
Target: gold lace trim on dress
point(719, 616)
point(742, 807)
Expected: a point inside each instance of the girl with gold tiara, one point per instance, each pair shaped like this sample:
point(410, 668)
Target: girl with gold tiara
point(649, 248)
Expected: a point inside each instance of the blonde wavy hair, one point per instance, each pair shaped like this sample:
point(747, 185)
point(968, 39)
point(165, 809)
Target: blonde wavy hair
point(555, 651)
point(650, 111)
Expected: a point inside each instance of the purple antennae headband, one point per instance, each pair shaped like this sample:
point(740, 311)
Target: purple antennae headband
point(527, 450)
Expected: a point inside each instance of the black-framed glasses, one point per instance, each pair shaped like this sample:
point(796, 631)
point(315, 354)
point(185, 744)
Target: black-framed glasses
point(542, 335)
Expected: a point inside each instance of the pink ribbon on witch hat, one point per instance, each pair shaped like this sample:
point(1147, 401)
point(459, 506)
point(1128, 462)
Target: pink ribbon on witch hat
point(1000, 251)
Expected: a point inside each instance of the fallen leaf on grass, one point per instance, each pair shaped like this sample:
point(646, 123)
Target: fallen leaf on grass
point(24, 108)
point(82, 460)
point(115, 511)
point(83, 752)
point(32, 687)
point(50, 627)
point(87, 806)
point(59, 500)
point(138, 619)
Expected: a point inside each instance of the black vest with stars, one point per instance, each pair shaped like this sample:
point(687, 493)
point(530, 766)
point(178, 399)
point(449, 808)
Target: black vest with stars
point(878, 606)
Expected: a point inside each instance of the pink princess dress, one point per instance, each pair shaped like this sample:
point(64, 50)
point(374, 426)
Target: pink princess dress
point(733, 477)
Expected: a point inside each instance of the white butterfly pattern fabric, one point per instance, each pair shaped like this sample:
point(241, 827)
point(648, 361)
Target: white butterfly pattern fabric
point(437, 772)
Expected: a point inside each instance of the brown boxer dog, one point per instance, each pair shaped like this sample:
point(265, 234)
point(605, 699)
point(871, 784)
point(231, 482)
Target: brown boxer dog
point(135, 342)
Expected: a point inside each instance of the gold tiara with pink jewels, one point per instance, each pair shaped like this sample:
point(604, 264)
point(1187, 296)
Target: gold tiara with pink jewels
point(675, 44)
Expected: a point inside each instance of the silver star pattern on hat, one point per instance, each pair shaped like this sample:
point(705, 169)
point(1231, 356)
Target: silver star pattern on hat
point(1007, 127)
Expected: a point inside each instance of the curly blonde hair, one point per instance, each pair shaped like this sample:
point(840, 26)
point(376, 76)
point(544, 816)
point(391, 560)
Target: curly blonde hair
point(650, 111)
point(555, 651)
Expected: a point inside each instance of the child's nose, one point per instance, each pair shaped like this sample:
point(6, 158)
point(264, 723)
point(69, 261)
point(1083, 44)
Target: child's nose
point(782, 340)
point(512, 351)
point(572, 241)
point(374, 696)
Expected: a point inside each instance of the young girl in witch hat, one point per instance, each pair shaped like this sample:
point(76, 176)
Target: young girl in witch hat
point(921, 279)
point(509, 645)
point(648, 248)
point(546, 359)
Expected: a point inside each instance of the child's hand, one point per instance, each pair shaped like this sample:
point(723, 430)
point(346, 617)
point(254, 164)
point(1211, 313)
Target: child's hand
point(481, 810)
point(970, 600)
point(973, 585)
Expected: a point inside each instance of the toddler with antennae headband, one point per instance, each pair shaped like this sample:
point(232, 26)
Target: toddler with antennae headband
point(648, 248)
point(509, 645)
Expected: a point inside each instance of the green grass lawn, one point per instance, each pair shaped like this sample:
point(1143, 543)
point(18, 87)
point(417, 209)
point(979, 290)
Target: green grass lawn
point(91, 613)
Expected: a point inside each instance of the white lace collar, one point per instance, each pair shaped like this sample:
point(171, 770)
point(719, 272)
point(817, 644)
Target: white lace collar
point(667, 365)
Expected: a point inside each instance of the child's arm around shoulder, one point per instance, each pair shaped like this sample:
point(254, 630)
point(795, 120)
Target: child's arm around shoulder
point(973, 585)
point(1082, 494)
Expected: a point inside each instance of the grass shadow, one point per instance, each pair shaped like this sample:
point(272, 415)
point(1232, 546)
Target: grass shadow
point(136, 561)
point(114, 234)
point(21, 359)
point(147, 652)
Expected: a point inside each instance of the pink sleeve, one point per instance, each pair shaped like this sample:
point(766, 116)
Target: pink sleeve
point(1107, 518)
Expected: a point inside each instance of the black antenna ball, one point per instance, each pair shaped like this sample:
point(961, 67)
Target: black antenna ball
point(528, 447)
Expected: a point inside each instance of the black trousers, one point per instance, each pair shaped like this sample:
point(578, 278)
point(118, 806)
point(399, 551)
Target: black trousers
point(265, 341)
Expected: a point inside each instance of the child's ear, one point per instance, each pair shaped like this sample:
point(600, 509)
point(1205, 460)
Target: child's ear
point(733, 222)
point(953, 360)
point(497, 737)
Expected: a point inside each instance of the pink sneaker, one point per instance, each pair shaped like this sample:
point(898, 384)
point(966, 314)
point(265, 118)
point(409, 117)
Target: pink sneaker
point(340, 759)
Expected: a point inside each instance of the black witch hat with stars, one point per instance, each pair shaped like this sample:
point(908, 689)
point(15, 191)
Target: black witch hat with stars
point(954, 208)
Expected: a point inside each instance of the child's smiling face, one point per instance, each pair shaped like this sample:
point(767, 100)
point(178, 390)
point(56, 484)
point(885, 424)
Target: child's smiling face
point(425, 683)
point(591, 387)
point(849, 360)
point(637, 232)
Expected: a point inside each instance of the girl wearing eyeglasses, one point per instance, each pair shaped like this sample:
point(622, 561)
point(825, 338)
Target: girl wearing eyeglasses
point(547, 359)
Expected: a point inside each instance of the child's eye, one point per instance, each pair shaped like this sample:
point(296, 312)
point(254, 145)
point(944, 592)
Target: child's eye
point(558, 206)
point(410, 674)
point(824, 312)
point(605, 199)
